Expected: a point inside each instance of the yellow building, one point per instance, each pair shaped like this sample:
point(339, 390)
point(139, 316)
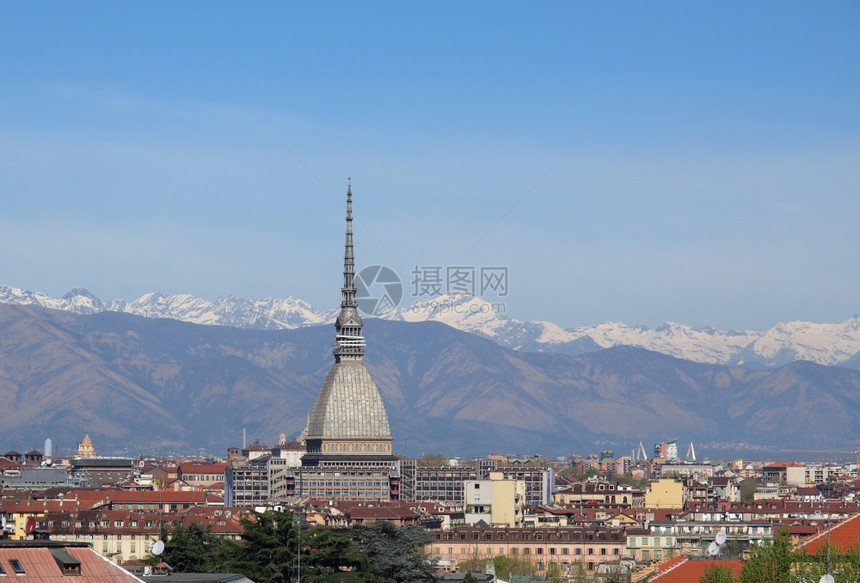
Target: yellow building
point(665, 493)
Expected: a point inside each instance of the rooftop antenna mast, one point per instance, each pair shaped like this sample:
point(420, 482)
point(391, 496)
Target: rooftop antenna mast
point(827, 577)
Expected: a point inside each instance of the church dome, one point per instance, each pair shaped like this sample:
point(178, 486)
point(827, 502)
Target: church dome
point(349, 406)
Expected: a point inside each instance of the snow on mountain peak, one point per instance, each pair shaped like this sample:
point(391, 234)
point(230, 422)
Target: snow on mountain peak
point(828, 344)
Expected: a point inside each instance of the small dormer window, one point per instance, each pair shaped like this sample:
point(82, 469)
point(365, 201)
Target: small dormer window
point(17, 566)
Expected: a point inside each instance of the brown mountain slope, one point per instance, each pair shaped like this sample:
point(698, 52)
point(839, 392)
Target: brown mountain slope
point(144, 385)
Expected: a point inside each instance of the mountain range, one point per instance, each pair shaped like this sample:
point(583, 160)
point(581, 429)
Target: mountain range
point(829, 343)
point(156, 385)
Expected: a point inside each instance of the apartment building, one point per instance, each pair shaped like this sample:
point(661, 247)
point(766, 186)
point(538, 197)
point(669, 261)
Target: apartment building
point(565, 547)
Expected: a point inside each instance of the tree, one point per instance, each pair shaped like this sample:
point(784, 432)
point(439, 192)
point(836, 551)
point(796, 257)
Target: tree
point(717, 574)
point(748, 488)
point(267, 551)
point(395, 553)
point(433, 459)
point(507, 565)
point(191, 549)
point(770, 562)
point(842, 564)
point(326, 553)
point(469, 578)
point(553, 573)
point(476, 563)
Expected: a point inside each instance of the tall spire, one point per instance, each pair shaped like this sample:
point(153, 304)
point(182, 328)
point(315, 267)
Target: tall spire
point(348, 290)
point(349, 343)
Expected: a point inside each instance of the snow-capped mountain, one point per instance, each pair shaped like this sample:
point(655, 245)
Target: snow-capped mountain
point(828, 344)
point(268, 314)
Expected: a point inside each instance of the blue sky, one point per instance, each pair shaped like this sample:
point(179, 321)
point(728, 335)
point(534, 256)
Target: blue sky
point(688, 162)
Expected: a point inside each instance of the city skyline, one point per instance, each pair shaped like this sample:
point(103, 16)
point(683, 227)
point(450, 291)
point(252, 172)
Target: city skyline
point(624, 163)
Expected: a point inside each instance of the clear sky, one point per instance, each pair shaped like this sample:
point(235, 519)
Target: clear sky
point(626, 161)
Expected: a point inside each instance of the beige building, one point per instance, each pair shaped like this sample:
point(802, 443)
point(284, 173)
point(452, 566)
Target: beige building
point(566, 548)
point(496, 501)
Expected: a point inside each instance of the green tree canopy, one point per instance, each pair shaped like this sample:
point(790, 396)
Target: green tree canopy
point(395, 553)
point(507, 565)
point(748, 488)
point(433, 459)
point(267, 551)
point(191, 549)
point(326, 553)
point(770, 562)
point(717, 574)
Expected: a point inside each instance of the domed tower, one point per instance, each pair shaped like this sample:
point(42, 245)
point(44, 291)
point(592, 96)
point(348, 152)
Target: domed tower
point(349, 454)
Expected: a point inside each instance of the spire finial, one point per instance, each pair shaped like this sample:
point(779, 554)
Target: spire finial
point(349, 342)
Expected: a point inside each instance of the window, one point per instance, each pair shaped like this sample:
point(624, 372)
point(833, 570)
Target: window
point(16, 566)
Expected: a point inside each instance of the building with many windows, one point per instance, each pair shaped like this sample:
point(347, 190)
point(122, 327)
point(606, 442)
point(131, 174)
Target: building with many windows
point(565, 548)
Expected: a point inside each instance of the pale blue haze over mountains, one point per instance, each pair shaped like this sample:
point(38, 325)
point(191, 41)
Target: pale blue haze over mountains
point(694, 163)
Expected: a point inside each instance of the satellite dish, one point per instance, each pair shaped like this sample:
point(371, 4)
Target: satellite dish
point(827, 578)
point(158, 547)
point(30, 525)
point(721, 537)
point(713, 548)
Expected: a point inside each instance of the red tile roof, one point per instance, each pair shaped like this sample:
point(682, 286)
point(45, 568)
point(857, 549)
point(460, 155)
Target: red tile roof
point(40, 565)
point(843, 536)
point(685, 570)
point(193, 468)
